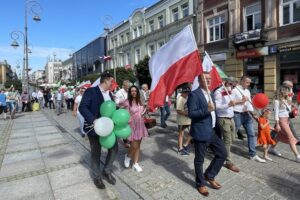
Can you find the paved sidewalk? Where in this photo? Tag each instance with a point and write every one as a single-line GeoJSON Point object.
{"type": "Point", "coordinates": [42, 156]}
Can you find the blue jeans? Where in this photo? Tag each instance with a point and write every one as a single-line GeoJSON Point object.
{"type": "Point", "coordinates": [217, 146]}
{"type": "Point", "coordinates": [164, 113]}
{"type": "Point", "coordinates": [247, 122]}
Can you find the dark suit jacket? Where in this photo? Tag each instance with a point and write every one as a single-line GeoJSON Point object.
{"type": "Point", "coordinates": [201, 127]}
{"type": "Point", "coordinates": [89, 107]}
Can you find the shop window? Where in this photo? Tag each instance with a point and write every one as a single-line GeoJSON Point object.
{"type": "Point", "coordinates": [216, 28]}
{"type": "Point", "coordinates": [252, 17]}
{"type": "Point", "coordinates": [289, 11]}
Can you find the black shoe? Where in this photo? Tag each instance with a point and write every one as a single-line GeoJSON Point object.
{"type": "Point", "coordinates": [99, 183]}
{"type": "Point", "coordinates": [241, 136]}
{"type": "Point", "coordinates": [298, 143]}
{"type": "Point", "coordinates": [164, 126]}
{"type": "Point", "coordinates": [109, 177]}
{"type": "Point", "coordinates": [82, 135]}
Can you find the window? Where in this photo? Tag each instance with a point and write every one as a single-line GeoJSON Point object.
{"type": "Point", "coordinates": [185, 10]}
{"type": "Point", "coordinates": [122, 39]}
{"type": "Point", "coordinates": [216, 28]}
{"type": "Point", "coordinates": [151, 26]}
{"type": "Point", "coordinates": [128, 36]}
{"type": "Point", "coordinates": [137, 56]}
{"type": "Point", "coordinates": [161, 21]}
{"type": "Point", "coordinates": [175, 14]}
{"type": "Point", "coordinates": [252, 19]}
{"type": "Point", "coordinates": [161, 43]}
{"type": "Point", "coordinates": [140, 31]}
{"type": "Point", "coordinates": [151, 50]}
{"type": "Point", "coordinates": [290, 11]}
{"type": "Point", "coordinates": [135, 33]}
{"type": "Point", "coordinates": [127, 58]}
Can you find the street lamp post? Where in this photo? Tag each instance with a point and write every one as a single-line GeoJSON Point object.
{"type": "Point", "coordinates": [15, 35]}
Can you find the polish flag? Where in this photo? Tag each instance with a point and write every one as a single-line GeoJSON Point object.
{"type": "Point", "coordinates": [176, 62]}
{"type": "Point", "coordinates": [105, 57]}
{"type": "Point", "coordinates": [114, 85]}
{"type": "Point", "coordinates": [208, 66]}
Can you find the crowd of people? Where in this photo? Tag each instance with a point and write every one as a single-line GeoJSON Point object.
{"type": "Point", "coordinates": [211, 120]}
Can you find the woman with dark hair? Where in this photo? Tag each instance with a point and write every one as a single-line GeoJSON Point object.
{"type": "Point", "coordinates": [136, 109]}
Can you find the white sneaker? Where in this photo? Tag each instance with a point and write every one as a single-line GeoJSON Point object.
{"type": "Point", "coordinates": [268, 158]}
{"type": "Point", "coordinates": [258, 159]}
{"type": "Point", "coordinates": [275, 152]}
{"type": "Point", "coordinates": [127, 161]}
{"type": "Point", "coordinates": [137, 167]}
{"type": "Point", "coordinates": [298, 158]}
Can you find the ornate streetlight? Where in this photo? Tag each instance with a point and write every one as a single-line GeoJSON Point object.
{"type": "Point", "coordinates": [35, 8]}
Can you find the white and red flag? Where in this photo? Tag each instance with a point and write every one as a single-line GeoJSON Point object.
{"type": "Point", "coordinates": [208, 66]}
{"type": "Point", "coordinates": [176, 62]}
{"type": "Point", "coordinates": [105, 57]}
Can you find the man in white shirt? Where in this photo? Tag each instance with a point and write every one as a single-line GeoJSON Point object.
{"type": "Point", "coordinates": [225, 114]}
{"type": "Point", "coordinates": [243, 114]}
{"type": "Point", "coordinates": [122, 94]}
{"type": "Point", "coordinates": [40, 97]}
{"type": "Point", "coordinates": [145, 94]}
{"type": "Point", "coordinates": [34, 96]}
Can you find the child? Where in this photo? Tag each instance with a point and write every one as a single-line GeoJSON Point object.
{"type": "Point", "coordinates": [264, 136]}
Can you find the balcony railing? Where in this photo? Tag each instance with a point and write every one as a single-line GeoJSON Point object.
{"type": "Point", "coordinates": [252, 37]}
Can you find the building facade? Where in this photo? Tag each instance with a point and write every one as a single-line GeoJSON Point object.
{"type": "Point", "coordinates": [88, 59]}
{"type": "Point", "coordinates": [260, 38]}
{"type": "Point", "coordinates": [53, 71]}
{"type": "Point", "coordinates": [38, 76]}
{"type": "Point", "coordinates": [147, 29]}
{"type": "Point", "coordinates": [6, 73]}
{"type": "Point", "coordinates": [67, 73]}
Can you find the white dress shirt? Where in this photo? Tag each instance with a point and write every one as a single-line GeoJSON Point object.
{"type": "Point", "coordinates": [105, 94]}
{"type": "Point", "coordinates": [281, 109]}
{"type": "Point", "coordinates": [237, 93]}
{"type": "Point", "coordinates": [222, 100]}
{"type": "Point", "coordinates": [121, 95]}
{"type": "Point", "coordinates": [213, 113]}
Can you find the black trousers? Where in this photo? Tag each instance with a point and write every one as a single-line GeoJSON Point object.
{"type": "Point", "coordinates": [218, 148]}
{"type": "Point", "coordinates": [96, 154]}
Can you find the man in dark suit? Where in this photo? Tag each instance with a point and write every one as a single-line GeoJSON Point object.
{"type": "Point", "coordinates": [89, 109]}
{"type": "Point", "coordinates": [201, 109]}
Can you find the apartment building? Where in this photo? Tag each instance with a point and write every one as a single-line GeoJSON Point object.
{"type": "Point", "coordinates": [147, 29]}
{"type": "Point", "coordinates": [260, 38]}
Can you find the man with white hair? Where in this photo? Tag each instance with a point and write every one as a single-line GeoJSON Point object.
{"type": "Point", "coordinates": [145, 94]}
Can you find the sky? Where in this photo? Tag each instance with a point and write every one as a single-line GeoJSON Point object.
{"type": "Point", "coordinates": [65, 26]}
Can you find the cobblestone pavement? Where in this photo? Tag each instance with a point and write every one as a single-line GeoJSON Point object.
{"type": "Point", "coordinates": [42, 156]}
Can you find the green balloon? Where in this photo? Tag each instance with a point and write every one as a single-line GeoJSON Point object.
{"type": "Point", "coordinates": [108, 141]}
{"type": "Point", "coordinates": [121, 117]}
{"type": "Point", "coordinates": [107, 108]}
{"type": "Point", "coordinates": [122, 132]}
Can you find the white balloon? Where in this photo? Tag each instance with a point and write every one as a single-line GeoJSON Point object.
{"type": "Point", "coordinates": [103, 126]}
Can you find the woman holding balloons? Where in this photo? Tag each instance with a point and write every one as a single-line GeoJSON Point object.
{"type": "Point", "coordinates": [136, 109]}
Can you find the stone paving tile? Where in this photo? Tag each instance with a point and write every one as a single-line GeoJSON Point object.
{"type": "Point", "coordinates": [25, 188]}
{"type": "Point", "coordinates": [22, 125]}
{"type": "Point", "coordinates": [52, 142]}
{"type": "Point", "coordinates": [21, 167]}
{"type": "Point", "coordinates": [21, 147]}
{"type": "Point", "coordinates": [27, 140]}
{"type": "Point", "coordinates": [45, 129]}
{"type": "Point", "coordinates": [22, 156]}
{"type": "Point", "coordinates": [47, 137]}
{"type": "Point", "coordinates": [73, 175]}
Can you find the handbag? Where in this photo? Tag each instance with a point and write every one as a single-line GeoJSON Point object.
{"type": "Point", "coordinates": [293, 113]}
{"type": "Point", "coordinates": [149, 122]}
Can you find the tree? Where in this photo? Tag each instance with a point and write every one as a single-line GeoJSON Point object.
{"type": "Point", "coordinates": [123, 74]}
{"type": "Point", "coordinates": [142, 70]}
{"type": "Point", "coordinates": [16, 83]}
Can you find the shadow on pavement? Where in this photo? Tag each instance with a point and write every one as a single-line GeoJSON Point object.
{"type": "Point", "coordinates": [287, 185]}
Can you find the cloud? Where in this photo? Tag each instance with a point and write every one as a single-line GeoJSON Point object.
{"type": "Point", "coordinates": [37, 58]}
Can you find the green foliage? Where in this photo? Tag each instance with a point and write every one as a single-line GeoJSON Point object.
{"type": "Point", "coordinates": [16, 83]}
{"type": "Point", "coordinates": [143, 74]}
{"type": "Point", "coordinates": [123, 74]}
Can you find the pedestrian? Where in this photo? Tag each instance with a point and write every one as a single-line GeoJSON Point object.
{"type": "Point", "coordinates": [40, 97]}
{"type": "Point", "coordinates": [3, 107]}
{"type": "Point", "coordinates": [243, 113]}
{"type": "Point", "coordinates": [59, 101]}
{"type": "Point", "coordinates": [201, 110]}
{"type": "Point", "coordinates": [183, 121]}
{"type": "Point", "coordinates": [89, 108]}
{"type": "Point", "coordinates": [51, 99]}
{"type": "Point", "coordinates": [136, 109]}
{"type": "Point", "coordinates": [264, 133]}
{"type": "Point", "coordinates": [145, 94]}
{"type": "Point", "coordinates": [224, 110]}
{"type": "Point", "coordinates": [10, 101]}
{"type": "Point", "coordinates": [25, 101]}
{"type": "Point", "coordinates": [282, 107]}
{"type": "Point", "coordinates": [76, 112]}
{"type": "Point", "coordinates": [120, 97]}
{"type": "Point", "coordinates": [165, 112]}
